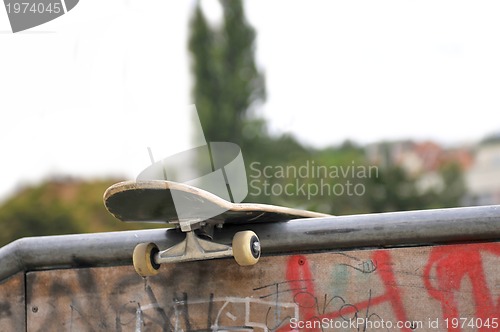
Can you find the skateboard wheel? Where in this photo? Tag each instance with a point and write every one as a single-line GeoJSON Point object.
{"type": "Point", "coordinates": [246, 248]}
{"type": "Point", "coordinates": [143, 259]}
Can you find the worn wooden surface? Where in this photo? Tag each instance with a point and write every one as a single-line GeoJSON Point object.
{"type": "Point", "coordinates": [12, 304]}
{"type": "Point", "coordinates": [366, 290]}
{"type": "Point", "coordinates": [424, 288]}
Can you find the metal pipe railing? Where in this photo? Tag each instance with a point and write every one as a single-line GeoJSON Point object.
{"type": "Point", "coordinates": [393, 229]}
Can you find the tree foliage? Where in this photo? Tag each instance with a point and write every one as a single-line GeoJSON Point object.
{"type": "Point", "coordinates": [227, 81]}
{"type": "Point", "coordinates": [59, 206]}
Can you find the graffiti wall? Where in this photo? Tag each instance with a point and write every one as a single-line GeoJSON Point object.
{"type": "Point", "coordinates": [441, 288]}
{"type": "Point", "coordinates": [12, 304]}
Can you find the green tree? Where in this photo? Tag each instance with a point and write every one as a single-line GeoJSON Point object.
{"type": "Point", "coordinates": [227, 81]}
{"type": "Point", "coordinates": [454, 189]}
{"type": "Point", "coordinates": [392, 190]}
{"type": "Point", "coordinates": [59, 206]}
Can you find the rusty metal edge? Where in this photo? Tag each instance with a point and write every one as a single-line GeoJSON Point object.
{"type": "Point", "coordinates": [395, 229]}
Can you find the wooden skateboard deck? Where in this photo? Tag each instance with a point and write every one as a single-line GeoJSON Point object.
{"type": "Point", "coordinates": [153, 201]}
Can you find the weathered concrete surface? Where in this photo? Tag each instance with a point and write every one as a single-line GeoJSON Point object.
{"type": "Point", "coordinates": [12, 308]}
{"type": "Point", "coordinates": [366, 290]}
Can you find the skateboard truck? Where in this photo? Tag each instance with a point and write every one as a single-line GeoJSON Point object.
{"type": "Point", "coordinates": [245, 249]}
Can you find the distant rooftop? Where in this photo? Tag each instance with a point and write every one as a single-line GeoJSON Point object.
{"type": "Point", "coordinates": [491, 139]}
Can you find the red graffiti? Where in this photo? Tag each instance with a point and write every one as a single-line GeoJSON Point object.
{"type": "Point", "coordinates": [300, 279]}
{"type": "Point", "coordinates": [443, 275]}
{"type": "Point", "coordinates": [448, 266]}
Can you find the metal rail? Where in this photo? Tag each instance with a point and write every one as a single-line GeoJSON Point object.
{"type": "Point", "coordinates": [394, 229]}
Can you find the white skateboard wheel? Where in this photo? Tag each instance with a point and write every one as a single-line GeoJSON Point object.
{"type": "Point", "coordinates": [246, 248]}
{"type": "Point", "coordinates": [143, 259]}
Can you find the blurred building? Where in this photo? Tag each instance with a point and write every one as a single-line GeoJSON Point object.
{"type": "Point", "coordinates": [417, 158]}
{"type": "Point", "coordinates": [422, 161]}
{"type": "Point", "coordinates": [483, 178]}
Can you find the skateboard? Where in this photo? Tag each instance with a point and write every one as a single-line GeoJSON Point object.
{"type": "Point", "coordinates": [196, 212]}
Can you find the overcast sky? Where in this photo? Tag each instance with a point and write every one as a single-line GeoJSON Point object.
{"type": "Point", "coordinates": [86, 94]}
